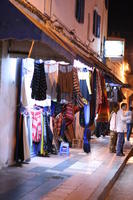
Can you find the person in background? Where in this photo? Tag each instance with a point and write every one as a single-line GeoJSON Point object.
{"type": "Point", "coordinates": [129, 122]}
{"type": "Point", "coordinates": [113, 133]}
{"type": "Point", "coordinates": [121, 119]}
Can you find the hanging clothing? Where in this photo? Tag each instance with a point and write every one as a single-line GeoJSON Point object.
{"type": "Point", "coordinates": [51, 71]}
{"type": "Point", "coordinates": [85, 86]}
{"type": "Point", "coordinates": [103, 110]}
{"type": "Point", "coordinates": [65, 85]}
{"type": "Point", "coordinates": [79, 130]}
{"type": "Point", "coordinates": [36, 125]}
{"type": "Point", "coordinates": [38, 84]}
{"type": "Point", "coordinates": [86, 140]}
{"type": "Point", "coordinates": [68, 114]}
{"type": "Point", "coordinates": [77, 96]}
{"type": "Point", "coordinates": [26, 144]}
{"type": "Point", "coordinates": [19, 143]}
{"type": "Point", "coordinates": [99, 93]}
{"type": "Point", "coordinates": [93, 98]}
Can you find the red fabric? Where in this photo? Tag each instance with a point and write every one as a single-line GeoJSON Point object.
{"type": "Point", "coordinates": [103, 111]}
{"type": "Point", "coordinates": [36, 125]}
{"type": "Point", "coordinates": [57, 122]}
{"type": "Point", "coordinates": [69, 114]}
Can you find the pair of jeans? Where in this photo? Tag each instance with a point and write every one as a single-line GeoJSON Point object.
{"type": "Point", "coordinates": [120, 143]}
{"type": "Point", "coordinates": [87, 114]}
{"type": "Point", "coordinates": [129, 130]}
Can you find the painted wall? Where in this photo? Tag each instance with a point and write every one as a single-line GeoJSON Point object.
{"type": "Point", "coordinates": [65, 12]}
{"type": "Point", "coordinates": [7, 108]}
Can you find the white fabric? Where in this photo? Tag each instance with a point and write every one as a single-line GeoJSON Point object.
{"type": "Point", "coordinates": [25, 140]}
{"type": "Point", "coordinates": [113, 122]}
{"type": "Point", "coordinates": [121, 120]}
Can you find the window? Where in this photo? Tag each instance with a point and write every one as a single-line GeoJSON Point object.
{"type": "Point", "coordinates": [106, 4]}
{"type": "Point", "coordinates": [96, 24]}
{"type": "Point", "coordinates": [79, 13]}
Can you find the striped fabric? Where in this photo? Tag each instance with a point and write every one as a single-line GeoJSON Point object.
{"type": "Point", "coordinates": [77, 96]}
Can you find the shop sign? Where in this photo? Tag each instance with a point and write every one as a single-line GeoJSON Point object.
{"type": "Point", "coordinates": [114, 48]}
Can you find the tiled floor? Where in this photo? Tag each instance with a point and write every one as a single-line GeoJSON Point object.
{"type": "Point", "coordinates": [60, 177]}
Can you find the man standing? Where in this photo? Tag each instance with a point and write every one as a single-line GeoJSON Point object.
{"type": "Point", "coordinates": [129, 122]}
{"type": "Point", "coordinates": [121, 128]}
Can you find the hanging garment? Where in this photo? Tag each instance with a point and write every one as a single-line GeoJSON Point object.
{"type": "Point", "coordinates": [38, 84]}
{"type": "Point", "coordinates": [81, 118]}
{"type": "Point", "coordinates": [36, 125]}
{"type": "Point", "coordinates": [99, 93]}
{"type": "Point", "coordinates": [56, 108]}
{"type": "Point", "coordinates": [49, 134]}
{"type": "Point", "coordinates": [86, 140]}
{"type": "Point", "coordinates": [19, 156]}
{"type": "Point", "coordinates": [64, 86]}
{"type": "Point", "coordinates": [79, 130]}
{"type": "Point", "coordinates": [103, 112]}
{"type": "Point", "coordinates": [77, 96]}
{"type": "Point", "coordinates": [93, 98]}
{"type": "Point", "coordinates": [25, 140]}
{"type": "Point", "coordinates": [51, 71]}
{"type": "Point", "coordinates": [68, 114]}
{"type": "Point", "coordinates": [85, 86]}
{"type": "Point", "coordinates": [102, 128]}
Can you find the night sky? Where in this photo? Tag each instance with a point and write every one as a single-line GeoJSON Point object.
{"type": "Point", "coordinates": [121, 17]}
{"type": "Point", "coordinates": [120, 24]}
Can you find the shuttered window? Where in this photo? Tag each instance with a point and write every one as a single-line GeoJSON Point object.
{"type": "Point", "coordinates": [96, 24]}
{"type": "Point", "coordinates": [79, 12]}
{"type": "Point", "coordinates": [106, 4]}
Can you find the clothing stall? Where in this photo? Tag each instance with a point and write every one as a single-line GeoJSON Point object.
{"type": "Point", "coordinates": [59, 103]}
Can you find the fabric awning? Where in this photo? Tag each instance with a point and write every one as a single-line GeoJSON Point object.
{"type": "Point", "coordinates": [20, 31]}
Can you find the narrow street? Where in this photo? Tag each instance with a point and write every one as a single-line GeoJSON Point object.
{"type": "Point", "coordinates": [123, 188]}
{"type": "Point", "coordinates": [79, 176]}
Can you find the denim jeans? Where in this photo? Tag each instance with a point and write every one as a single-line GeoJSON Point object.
{"type": "Point", "coordinates": [129, 130]}
{"type": "Point", "coordinates": [120, 143]}
{"type": "Point", "coordinates": [87, 114]}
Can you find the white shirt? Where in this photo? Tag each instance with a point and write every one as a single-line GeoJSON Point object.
{"type": "Point", "coordinates": [113, 122]}
{"type": "Point", "coordinates": [121, 120]}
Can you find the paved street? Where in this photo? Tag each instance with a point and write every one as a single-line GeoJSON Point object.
{"type": "Point", "coordinates": [79, 176]}
{"type": "Point", "coordinates": [123, 188]}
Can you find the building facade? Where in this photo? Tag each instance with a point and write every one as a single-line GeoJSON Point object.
{"type": "Point", "coordinates": [86, 19]}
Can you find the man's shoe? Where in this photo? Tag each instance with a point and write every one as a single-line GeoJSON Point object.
{"type": "Point", "coordinates": [122, 154]}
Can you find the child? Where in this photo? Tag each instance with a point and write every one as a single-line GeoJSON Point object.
{"type": "Point", "coordinates": [113, 133]}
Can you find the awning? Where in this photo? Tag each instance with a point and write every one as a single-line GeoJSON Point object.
{"type": "Point", "coordinates": [20, 32]}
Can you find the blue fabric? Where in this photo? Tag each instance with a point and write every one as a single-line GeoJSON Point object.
{"type": "Point", "coordinates": [86, 139]}
{"type": "Point", "coordinates": [120, 143]}
{"type": "Point", "coordinates": [129, 130]}
{"type": "Point", "coordinates": [81, 118]}
{"type": "Point", "coordinates": [84, 90]}
{"type": "Point", "coordinates": [87, 114]}
{"type": "Point", "coordinates": [36, 149]}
